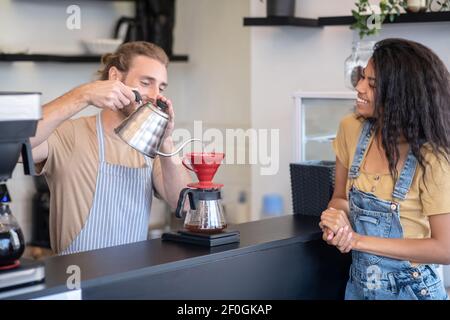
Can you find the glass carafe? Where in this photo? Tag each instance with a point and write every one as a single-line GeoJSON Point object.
{"type": "Point", "coordinates": [361, 53]}
{"type": "Point", "coordinates": [205, 214]}
{"type": "Point", "coordinates": [207, 218]}
{"type": "Point", "coordinates": [12, 243]}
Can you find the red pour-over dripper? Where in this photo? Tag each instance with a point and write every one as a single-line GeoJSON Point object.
{"type": "Point", "coordinates": [205, 165]}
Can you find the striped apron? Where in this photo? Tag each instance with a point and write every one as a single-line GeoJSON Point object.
{"type": "Point", "coordinates": [121, 206]}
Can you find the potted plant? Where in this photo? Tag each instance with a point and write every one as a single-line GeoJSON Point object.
{"type": "Point", "coordinates": [369, 17]}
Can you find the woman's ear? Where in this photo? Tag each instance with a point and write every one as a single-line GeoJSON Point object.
{"type": "Point", "coordinates": [114, 74]}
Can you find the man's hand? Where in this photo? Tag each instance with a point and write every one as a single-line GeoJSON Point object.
{"type": "Point", "coordinates": [111, 94]}
{"type": "Point", "coordinates": [167, 143]}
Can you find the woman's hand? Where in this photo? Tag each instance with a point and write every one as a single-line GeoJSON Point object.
{"type": "Point", "coordinates": [327, 233]}
{"type": "Point", "coordinates": [343, 240]}
{"type": "Point", "coordinates": [334, 219]}
{"type": "Point", "coordinates": [337, 230]}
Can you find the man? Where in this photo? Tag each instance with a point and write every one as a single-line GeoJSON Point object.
{"type": "Point", "coordinates": [101, 188]}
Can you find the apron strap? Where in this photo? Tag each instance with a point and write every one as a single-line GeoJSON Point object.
{"type": "Point", "coordinates": [148, 161]}
{"type": "Point", "coordinates": [101, 143]}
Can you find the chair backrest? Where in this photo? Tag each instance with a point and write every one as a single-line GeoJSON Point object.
{"type": "Point", "coordinates": [312, 185]}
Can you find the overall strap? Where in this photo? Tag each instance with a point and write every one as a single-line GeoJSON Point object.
{"type": "Point", "coordinates": [363, 142]}
{"type": "Point", "coordinates": [406, 177]}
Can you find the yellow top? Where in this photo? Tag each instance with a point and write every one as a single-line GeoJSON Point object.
{"type": "Point", "coordinates": [421, 201]}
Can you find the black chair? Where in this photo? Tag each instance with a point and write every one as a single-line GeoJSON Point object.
{"type": "Point", "coordinates": [312, 185]}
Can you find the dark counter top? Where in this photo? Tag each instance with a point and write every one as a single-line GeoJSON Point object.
{"type": "Point", "coordinates": [156, 256]}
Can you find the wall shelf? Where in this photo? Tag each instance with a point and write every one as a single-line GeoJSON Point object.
{"type": "Point", "coordinates": [67, 58]}
{"type": "Point", "coordinates": [343, 20]}
{"type": "Point", "coordinates": [281, 21]}
{"type": "Point", "coordinates": [403, 18]}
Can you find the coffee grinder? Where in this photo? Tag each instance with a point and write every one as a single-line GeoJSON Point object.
{"type": "Point", "coordinates": [204, 223]}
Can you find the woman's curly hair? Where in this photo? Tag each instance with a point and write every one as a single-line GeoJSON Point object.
{"type": "Point", "coordinates": [412, 100]}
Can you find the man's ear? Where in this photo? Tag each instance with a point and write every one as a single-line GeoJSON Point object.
{"type": "Point", "coordinates": [114, 74]}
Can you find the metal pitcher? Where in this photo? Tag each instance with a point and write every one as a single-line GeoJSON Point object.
{"type": "Point", "coordinates": [144, 128]}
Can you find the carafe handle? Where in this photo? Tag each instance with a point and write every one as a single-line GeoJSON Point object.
{"type": "Point", "coordinates": [180, 205]}
{"type": "Point", "coordinates": [187, 166]}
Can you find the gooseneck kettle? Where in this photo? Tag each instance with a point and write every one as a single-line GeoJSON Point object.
{"type": "Point", "coordinates": [144, 129]}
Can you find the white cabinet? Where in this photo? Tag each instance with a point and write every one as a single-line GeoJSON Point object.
{"type": "Point", "coordinates": [317, 119]}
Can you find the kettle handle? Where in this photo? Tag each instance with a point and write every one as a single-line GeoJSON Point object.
{"type": "Point", "coordinates": [180, 205]}
{"type": "Point", "coordinates": [137, 96]}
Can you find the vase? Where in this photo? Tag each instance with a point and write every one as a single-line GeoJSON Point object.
{"type": "Point", "coordinates": [415, 6]}
{"type": "Point", "coordinates": [438, 5]}
{"type": "Point", "coordinates": [361, 53]}
{"type": "Point", "coordinates": [280, 8]}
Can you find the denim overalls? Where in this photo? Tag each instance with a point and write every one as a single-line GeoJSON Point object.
{"type": "Point", "coordinates": [376, 277]}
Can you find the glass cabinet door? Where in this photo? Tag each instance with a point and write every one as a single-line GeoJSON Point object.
{"type": "Point", "coordinates": [318, 121]}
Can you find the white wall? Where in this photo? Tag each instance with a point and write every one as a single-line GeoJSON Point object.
{"type": "Point", "coordinates": [289, 59]}
{"type": "Point", "coordinates": [236, 77]}
{"type": "Point", "coordinates": [213, 86]}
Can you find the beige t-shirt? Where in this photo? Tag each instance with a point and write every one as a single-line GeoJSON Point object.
{"type": "Point", "coordinates": [420, 203]}
{"type": "Point", "coordinates": [71, 174]}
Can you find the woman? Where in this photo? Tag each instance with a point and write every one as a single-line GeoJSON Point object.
{"type": "Point", "coordinates": [391, 203]}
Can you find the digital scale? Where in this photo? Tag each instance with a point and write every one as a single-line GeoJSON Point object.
{"type": "Point", "coordinates": [207, 240]}
{"type": "Point", "coordinates": [22, 279]}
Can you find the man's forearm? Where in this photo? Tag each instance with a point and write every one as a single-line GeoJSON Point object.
{"type": "Point", "coordinates": [175, 175]}
{"type": "Point", "coordinates": [57, 111]}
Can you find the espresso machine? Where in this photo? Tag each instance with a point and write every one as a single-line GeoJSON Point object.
{"type": "Point", "coordinates": [19, 115]}
{"type": "Point", "coordinates": [204, 223]}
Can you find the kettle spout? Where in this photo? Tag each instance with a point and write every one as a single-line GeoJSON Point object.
{"type": "Point", "coordinates": [178, 150]}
